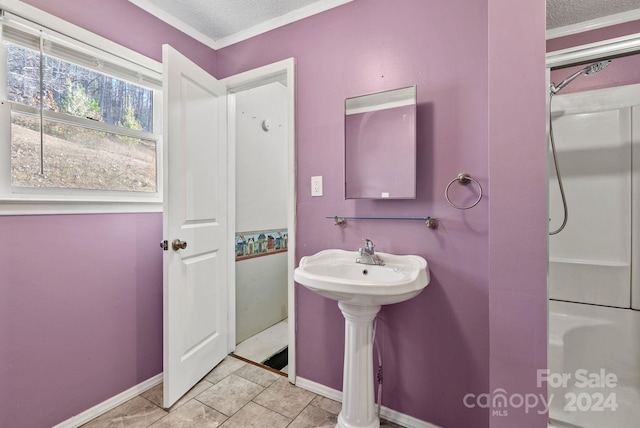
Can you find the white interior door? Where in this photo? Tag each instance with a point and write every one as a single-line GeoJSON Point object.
{"type": "Point", "coordinates": [196, 213]}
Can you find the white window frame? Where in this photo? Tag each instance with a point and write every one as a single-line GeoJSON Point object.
{"type": "Point", "coordinates": [30, 201]}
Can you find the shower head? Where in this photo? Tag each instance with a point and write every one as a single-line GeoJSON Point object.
{"type": "Point", "coordinates": [587, 71]}
{"type": "Point", "coordinates": [598, 66]}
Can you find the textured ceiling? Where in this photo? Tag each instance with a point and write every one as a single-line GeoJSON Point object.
{"type": "Point", "coordinates": [217, 19]}
{"type": "Point", "coordinates": [567, 12]}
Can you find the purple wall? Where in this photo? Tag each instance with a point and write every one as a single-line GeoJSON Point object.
{"type": "Point", "coordinates": [80, 312]}
{"type": "Point", "coordinates": [436, 347]}
{"type": "Point", "coordinates": [622, 71]}
{"type": "Point", "coordinates": [479, 325]}
{"type": "Point", "coordinates": [81, 295]}
{"type": "Point", "coordinates": [518, 208]}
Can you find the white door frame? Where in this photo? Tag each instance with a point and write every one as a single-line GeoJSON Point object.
{"type": "Point", "coordinates": [284, 72]}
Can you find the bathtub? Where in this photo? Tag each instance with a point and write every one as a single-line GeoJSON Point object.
{"type": "Point", "coordinates": [594, 366]}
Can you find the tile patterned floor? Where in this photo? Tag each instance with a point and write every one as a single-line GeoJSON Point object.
{"type": "Point", "coordinates": [235, 394]}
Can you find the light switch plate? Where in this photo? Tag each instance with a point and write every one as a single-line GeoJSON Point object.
{"type": "Point", "coordinates": [316, 185]}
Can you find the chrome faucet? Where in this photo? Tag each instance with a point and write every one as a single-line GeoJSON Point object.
{"type": "Point", "coordinates": [368, 255]}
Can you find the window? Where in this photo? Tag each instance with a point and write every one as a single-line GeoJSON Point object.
{"type": "Point", "coordinates": [81, 123]}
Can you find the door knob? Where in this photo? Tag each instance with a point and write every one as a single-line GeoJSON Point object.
{"type": "Point", "coordinates": [177, 244]}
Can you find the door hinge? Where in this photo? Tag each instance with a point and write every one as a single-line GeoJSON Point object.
{"type": "Point", "coordinates": [164, 245]}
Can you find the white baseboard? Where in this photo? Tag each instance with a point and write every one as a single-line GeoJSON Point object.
{"type": "Point", "coordinates": [319, 389]}
{"type": "Point", "coordinates": [105, 406]}
{"type": "Point", "coordinates": [388, 414]}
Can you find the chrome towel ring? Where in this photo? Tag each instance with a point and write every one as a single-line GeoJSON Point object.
{"type": "Point", "coordinates": [464, 179]}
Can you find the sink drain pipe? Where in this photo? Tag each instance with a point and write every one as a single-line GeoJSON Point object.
{"type": "Point", "coordinates": [379, 375]}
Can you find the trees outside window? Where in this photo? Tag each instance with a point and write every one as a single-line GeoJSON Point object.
{"type": "Point", "coordinates": [74, 127]}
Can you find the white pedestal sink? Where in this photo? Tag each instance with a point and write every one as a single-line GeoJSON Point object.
{"type": "Point", "coordinates": [360, 291]}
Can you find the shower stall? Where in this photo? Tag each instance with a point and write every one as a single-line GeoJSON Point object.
{"type": "Point", "coordinates": [594, 262]}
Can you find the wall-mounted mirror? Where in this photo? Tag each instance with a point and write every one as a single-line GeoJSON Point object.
{"type": "Point", "coordinates": [380, 145]}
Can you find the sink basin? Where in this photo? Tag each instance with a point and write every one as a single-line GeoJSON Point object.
{"type": "Point", "coordinates": [336, 275]}
{"type": "Point", "coordinates": [360, 291]}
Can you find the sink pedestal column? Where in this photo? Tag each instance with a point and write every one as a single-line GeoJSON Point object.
{"type": "Point", "coordinates": [357, 386]}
